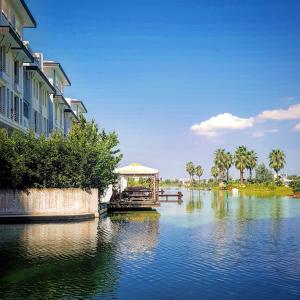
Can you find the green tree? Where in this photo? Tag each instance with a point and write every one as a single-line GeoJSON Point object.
{"type": "Point", "coordinates": [251, 162]}
{"type": "Point", "coordinates": [190, 169]}
{"type": "Point", "coordinates": [263, 174]}
{"type": "Point", "coordinates": [214, 172]}
{"type": "Point", "coordinates": [228, 161]}
{"type": "Point", "coordinates": [277, 160]}
{"type": "Point", "coordinates": [199, 172]}
{"type": "Point", "coordinates": [295, 185]}
{"type": "Point", "coordinates": [219, 162]}
{"type": "Point", "coordinates": [240, 161]}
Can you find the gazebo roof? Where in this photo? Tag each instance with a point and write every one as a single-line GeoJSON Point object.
{"type": "Point", "coordinates": [136, 169]}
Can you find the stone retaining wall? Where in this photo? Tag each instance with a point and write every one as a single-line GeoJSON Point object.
{"type": "Point", "coordinates": [48, 202]}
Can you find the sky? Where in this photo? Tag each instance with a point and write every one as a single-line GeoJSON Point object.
{"type": "Point", "coordinates": [178, 79]}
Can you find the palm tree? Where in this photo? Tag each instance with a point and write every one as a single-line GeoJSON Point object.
{"type": "Point", "coordinates": [214, 172]}
{"type": "Point", "coordinates": [227, 164]}
{"type": "Point", "coordinates": [252, 161]}
{"type": "Point", "coordinates": [199, 172]}
{"type": "Point", "coordinates": [240, 160]}
{"type": "Point", "coordinates": [190, 168]}
{"type": "Point", "coordinates": [277, 160]}
{"type": "Point", "coordinates": [219, 161]}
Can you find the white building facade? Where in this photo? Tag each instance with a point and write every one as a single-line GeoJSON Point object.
{"type": "Point", "coordinates": [31, 88]}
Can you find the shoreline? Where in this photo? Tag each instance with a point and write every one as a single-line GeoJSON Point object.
{"type": "Point", "coordinates": [251, 190]}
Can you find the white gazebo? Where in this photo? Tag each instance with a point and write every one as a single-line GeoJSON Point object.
{"type": "Point", "coordinates": [138, 197]}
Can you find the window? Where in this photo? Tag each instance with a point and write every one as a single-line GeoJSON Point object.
{"type": "Point", "coordinates": [2, 59]}
{"type": "Point", "coordinates": [26, 109]}
{"type": "Point", "coordinates": [35, 121]}
{"type": "Point", "coordinates": [2, 100]}
{"type": "Point", "coordinates": [16, 71]}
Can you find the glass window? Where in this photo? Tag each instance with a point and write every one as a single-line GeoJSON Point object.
{"type": "Point", "coordinates": [26, 109]}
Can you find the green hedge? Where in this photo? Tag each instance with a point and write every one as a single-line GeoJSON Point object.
{"type": "Point", "coordinates": [85, 158]}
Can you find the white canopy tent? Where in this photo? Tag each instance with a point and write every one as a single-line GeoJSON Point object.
{"type": "Point", "coordinates": [136, 169]}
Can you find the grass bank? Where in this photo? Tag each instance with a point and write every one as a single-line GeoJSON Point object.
{"type": "Point", "coordinates": [250, 189]}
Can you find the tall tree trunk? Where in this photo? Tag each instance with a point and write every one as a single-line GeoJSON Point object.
{"type": "Point", "coordinates": [227, 175]}
{"type": "Point", "coordinates": [250, 170]}
{"type": "Point", "coordinates": [241, 177]}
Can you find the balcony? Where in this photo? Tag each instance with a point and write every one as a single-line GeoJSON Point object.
{"type": "Point", "coordinates": [58, 90]}
{"type": "Point", "coordinates": [17, 87]}
{"type": "Point", "coordinates": [13, 40]}
{"type": "Point", "coordinates": [3, 75]}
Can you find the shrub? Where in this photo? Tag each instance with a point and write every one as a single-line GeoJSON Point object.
{"type": "Point", "coordinates": [295, 185]}
{"type": "Point", "coordinates": [85, 158]}
{"type": "Point", "coordinates": [263, 174]}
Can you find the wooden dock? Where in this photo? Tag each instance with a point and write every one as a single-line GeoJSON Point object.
{"type": "Point", "coordinates": [170, 198]}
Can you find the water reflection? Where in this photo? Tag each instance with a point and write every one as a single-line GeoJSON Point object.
{"type": "Point", "coordinates": [195, 202]}
{"type": "Point", "coordinates": [220, 204]}
{"type": "Point", "coordinates": [71, 259]}
{"type": "Point", "coordinates": [137, 231]}
{"type": "Point", "coordinates": [214, 237]}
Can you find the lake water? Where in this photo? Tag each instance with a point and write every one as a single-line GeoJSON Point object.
{"type": "Point", "coordinates": [212, 246]}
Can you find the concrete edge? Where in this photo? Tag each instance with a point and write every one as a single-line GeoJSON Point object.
{"type": "Point", "coordinates": [4, 219]}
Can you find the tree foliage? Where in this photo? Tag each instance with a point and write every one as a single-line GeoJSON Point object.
{"type": "Point", "coordinates": [198, 172]}
{"type": "Point", "coordinates": [85, 158]}
{"type": "Point", "coordinates": [223, 161]}
{"type": "Point", "coordinates": [190, 169]}
{"type": "Point", "coordinates": [241, 160]}
{"type": "Point", "coordinates": [295, 185]}
{"type": "Point", "coordinates": [263, 174]}
{"type": "Point", "coordinates": [251, 161]}
{"type": "Point", "coordinates": [277, 160]}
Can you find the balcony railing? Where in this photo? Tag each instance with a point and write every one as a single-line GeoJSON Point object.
{"type": "Point", "coordinates": [26, 122]}
{"type": "Point", "coordinates": [2, 107]}
{"type": "Point", "coordinates": [14, 115]}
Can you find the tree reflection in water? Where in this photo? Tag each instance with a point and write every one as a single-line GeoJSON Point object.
{"type": "Point", "coordinates": [195, 202]}
{"type": "Point", "coordinates": [220, 204]}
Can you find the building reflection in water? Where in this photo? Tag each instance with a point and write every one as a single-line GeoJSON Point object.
{"type": "Point", "coordinates": [41, 240]}
{"type": "Point", "coordinates": [71, 260]}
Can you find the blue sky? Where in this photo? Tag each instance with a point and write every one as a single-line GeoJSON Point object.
{"type": "Point", "coordinates": [151, 69]}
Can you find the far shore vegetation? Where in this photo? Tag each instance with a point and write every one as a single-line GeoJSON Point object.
{"type": "Point", "coordinates": [260, 180]}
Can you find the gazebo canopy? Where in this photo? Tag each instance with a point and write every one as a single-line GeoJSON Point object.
{"type": "Point", "coordinates": [136, 169]}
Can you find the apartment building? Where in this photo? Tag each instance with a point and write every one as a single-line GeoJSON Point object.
{"type": "Point", "coordinates": [31, 88]}
{"type": "Point", "coordinates": [15, 17]}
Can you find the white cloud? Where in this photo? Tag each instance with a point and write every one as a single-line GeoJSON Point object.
{"type": "Point", "coordinates": [225, 121]}
{"type": "Point", "coordinates": [263, 132]}
{"type": "Point", "coordinates": [297, 127]}
{"type": "Point", "coordinates": [291, 113]}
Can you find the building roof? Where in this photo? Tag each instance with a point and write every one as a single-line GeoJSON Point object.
{"type": "Point", "coordinates": [136, 169]}
{"type": "Point", "coordinates": [29, 21]}
{"type": "Point", "coordinates": [71, 101]}
{"type": "Point", "coordinates": [57, 65]}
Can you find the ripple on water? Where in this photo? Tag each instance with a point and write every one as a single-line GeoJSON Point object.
{"type": "Point", "coordinates": [210, 247]}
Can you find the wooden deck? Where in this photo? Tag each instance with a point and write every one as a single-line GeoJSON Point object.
{"type": "Point", "coordinates": [141, 198]}
{"type": "Point", "coordinates": [132, 205]}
